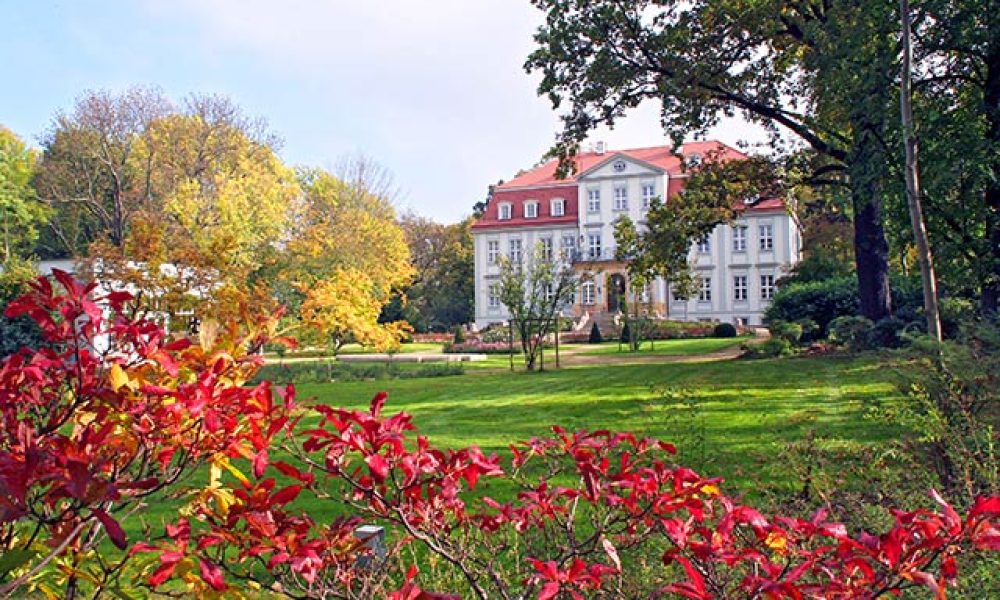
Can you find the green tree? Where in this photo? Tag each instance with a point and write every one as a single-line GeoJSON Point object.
{"type": "Point", "coordinates": [20, 212]}
{"type": "Point", "coordinates": [535, 292]}
{"type": "Point", "coordinates": [823, 71]}
{"type": "Point", "coordinates": [441, 294]}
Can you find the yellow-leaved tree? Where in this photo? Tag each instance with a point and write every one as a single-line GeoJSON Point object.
{"type": "Point", "coordinates": [344, 257]}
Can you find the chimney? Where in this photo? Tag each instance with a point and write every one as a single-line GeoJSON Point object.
{"type": "Point", "coordinates": [599, 148]}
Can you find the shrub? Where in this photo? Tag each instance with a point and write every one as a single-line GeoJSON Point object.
{"type": "Point", "coordinates": [792, 332]}
{"type": "Point", "coordinates": [887, 333]}
{"type": "Point", "coordinates": [810, 330]}
{"type": "Point", "coordinates": [595, 334]}
{"type": "Point", "coordinates": [954, 312]}
{"type": "Point", "coordinates": [672, 330]}
{"type": "Point", "coordinates": [626, 336]}
{"type": "Point", "coordinates": [724, 330]}
{"type": "Point", "coordinates": [480, 347]}
{"type": "Point", "coordinates": [771, 348]}
{"type": "Point", "coordinates": [819, 301]}
{"type": "Point", "coordinates": [459, 335]}
{"type": "Point", "coordinates": [852, 332]}
{"type": "Point", "coordinates": [496, 333]}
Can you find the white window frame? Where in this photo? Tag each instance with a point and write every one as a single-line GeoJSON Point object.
{"type": "Point", "coordinates": [531, 210]}
{"type": "Point", "coordinates": [515, 251]}
{"type": "Point", "coordinates": [547, 246]}
{"type": "Point", "coordinates": [621, 197]}
{"type": "Point", "coordinates": [705, 291]}
{"type": "Point", "coordinates": [739, 238]}
{"type": "Point", "coordinates": [594, 200]}
{"type": "Point", "coordinates": [767, 286]}
{"type": "Point", "coordinates": [557, 203]}
{"type": "Point", "coordinates": [492, 251]}
{"type": "Point", "coordinates": [594, 249]}
{"type": "Point", "coordinates": [550, 292]}
{"type": "Point", "coordinates": [648, 193]}
{"type": "Point", "coordinates": [766, 236]}
{"type": "Point", "coordinates": [494, 295]}
{"type": "Point", "coordinates": [740, 291]}
{"type": "Point", "coordinates": [588, 293]}
{"type": "Point", "coordinates": [505, 211]}
{"type": "Point", "coordinates": [705, 244]}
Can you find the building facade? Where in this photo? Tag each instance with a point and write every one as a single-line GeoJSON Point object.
{"type": "Point", "coordinates": [573, 219]}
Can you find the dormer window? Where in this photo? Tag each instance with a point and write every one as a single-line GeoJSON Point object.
{"type": "Point", "coordinates": [530, 210]}
{"type": "Point", "coordinates": [694, 160]}
{"type": "Point", "coordinates": [505, 211]}
{"type": "Point", "coordinates": [558, 207]}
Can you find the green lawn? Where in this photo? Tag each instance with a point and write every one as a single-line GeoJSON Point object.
{"type": "Point", "coordinates": [745, 410]}
{"type": "Point", "coordinates": [686, 347]}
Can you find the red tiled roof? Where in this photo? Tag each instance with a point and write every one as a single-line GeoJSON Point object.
{"type": "Point", "coordinates": [662, 157]}
{"type": "Point", "coordinates": [516, 198]}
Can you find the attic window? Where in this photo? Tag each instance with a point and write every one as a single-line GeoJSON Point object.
{"type": "Point", "coordinates": [751, 199]}
{"type": "Point", "coordinates": [694, 160]}
{"type": "Point", "coordinates": [505, 212]}
{"type": "Point", "coordinates": [619, 166]}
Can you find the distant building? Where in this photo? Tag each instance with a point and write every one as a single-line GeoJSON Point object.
{"type": "Point", "coordinates": [736, 266]}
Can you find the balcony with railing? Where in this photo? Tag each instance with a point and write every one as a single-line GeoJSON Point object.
{"type": "Point", "coordinates": [592, 255]}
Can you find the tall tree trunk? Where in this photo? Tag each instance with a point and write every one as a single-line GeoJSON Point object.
{"type": "Point", "coordinates": [990, 301]}
{"type": "Point", "coordinates": [927, 277]}
{"type": "Point", "coordinates": [871, 249]}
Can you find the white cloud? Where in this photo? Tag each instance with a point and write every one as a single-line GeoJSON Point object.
{"type": "Point", "coordinates": [433, 89]}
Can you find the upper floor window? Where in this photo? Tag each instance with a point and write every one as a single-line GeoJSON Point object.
{"type": "Point", "coordinates": [492, 251]}
{"type": "Point", "coordinates": [530, 210]}
{"type": "Point", "coordinates": [621, 197]}
{"type": "Point", "coordinates": [594, 200]}
{"type": "Point", "coordinates": [514, 251]}
{"type": "Point", "coordinates": [546, 246]}
{"type": "Point", "coordinates": [587, 295]}
{"type": "Point", "coordinates": [740, 288]}
{"type": "Point", "coordinates": [766, 237]}
{"type": "Point", "coordinates": [594, 245]}
{"type": "Point", "coordinates": [648, 193]}
{"type": "Point", "coordinates": [558, 207]}
{"type": "Point", "coordinates": [766, 287]}
{"type": "Point", "coordinates": [505, 211]}
{"type": "Point", "coordinates": [705, 244]}
{"type": "Point", "coordinates": [705, 293]}
{"type": "Point", "coordinates": [550, 292]}
{"type": "Point", "coordinates": [740, 238]}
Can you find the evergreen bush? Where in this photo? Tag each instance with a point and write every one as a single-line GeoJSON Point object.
{"type": "Point", "coordinates": [595, 334]}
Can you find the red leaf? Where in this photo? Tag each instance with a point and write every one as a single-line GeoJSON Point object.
{"type": "Point", "coordinates": [378, 466]}
{"type": "Point", "coordinates": [286, 495]}
{"type": "Point", "coordinates": [212, 575]}
{"type": "Point", "coordinates": [549, 591]}
{"type": "Point", "coordinates": [115, 531]}
{"type": "Point", "coordinates": [260, 463]}
{"type": "Point", "coordinates": [377, 403]}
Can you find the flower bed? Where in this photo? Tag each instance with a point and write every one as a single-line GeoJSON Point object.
{"type": "Point", "coordinates": [478, 347]}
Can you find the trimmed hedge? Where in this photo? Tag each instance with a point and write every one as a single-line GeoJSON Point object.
{"type": "Point", "coordinates": [325, 371]}
{"type": "Point", "coordinates": [724, 330]}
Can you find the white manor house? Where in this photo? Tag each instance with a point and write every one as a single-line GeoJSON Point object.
{"type": "Point", "coordinates": [736, 266]}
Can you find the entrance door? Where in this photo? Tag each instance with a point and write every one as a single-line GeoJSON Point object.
{"type": "Point", "coordinates": [616, 291]}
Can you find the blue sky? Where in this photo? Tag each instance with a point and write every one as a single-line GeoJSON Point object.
{"type": "Point", "coordinates": [431, 89]}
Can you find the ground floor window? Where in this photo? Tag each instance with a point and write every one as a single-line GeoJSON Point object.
{"type": "Point", "coordinates": [740, 288]}
{"type": "Point", "coordinates": [587, 295]}
{"type": "Point", "coordinates": [705, 293]}
{"type": "Point", "coordinates": [766, 287]}
{"type": "Point", "coordinates": [495, 295]}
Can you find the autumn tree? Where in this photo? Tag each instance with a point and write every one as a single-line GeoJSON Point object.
{"type": "Point", "coordinates": [535, 291]}
{"type": "Point", "coordinates": [821, 71]}
{"type": "Point", "coordinates": [91, 174]}
{"type": "Point", "coordinates": [339, 230]}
